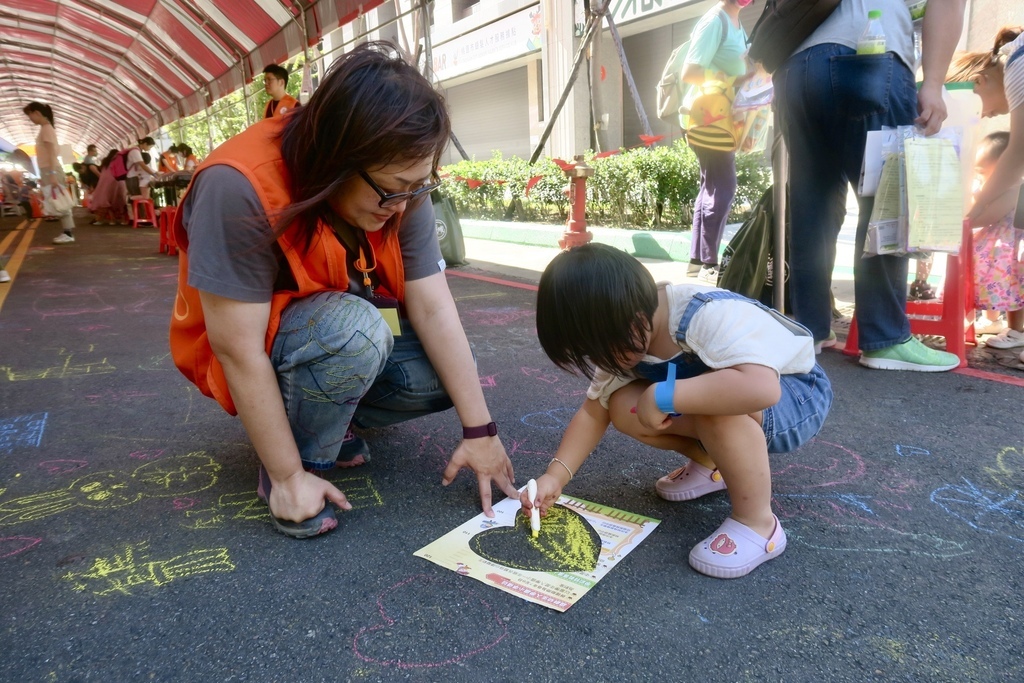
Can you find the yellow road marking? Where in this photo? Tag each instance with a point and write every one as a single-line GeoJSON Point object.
{"type": "Point", "coordinates": [19, 254]}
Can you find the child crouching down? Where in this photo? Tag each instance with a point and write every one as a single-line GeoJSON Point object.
{"type": "Point", "coordinates": [746, 385]}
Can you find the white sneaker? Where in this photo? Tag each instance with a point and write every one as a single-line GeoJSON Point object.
{"type": "Point", "coordinates": [1007, 339]}
{"type": "Point", "coordinates": [5, 276]}
{"type": "Point", "coordinates": [709, 274]}
{"type": "Point", "coordinates": [63, 238]}
{"type": "Point", "coordinates": [986, 326]}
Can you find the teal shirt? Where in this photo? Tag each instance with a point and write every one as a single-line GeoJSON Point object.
{"type": "Point", "coordinates": [710, 50]}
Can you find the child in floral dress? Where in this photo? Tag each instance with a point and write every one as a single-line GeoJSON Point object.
{"type": "Point", "coordinates": [999, 259]}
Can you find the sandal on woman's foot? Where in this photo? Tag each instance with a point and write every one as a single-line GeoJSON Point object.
{"type": "Point", "coordinates": [321, 523]}
{"type": "Point", "coordinates": [689, 482]}
{"type": "Point", "coordinates": [734, 550]}
{"type": "Point", "coordinates": [354, 451]}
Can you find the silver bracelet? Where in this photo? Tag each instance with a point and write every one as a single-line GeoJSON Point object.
{"type": "Point", "coordinates": [563, 465]}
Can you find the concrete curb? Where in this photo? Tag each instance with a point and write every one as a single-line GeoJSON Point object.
{"type": "Point", "coordinates": [664, 245]}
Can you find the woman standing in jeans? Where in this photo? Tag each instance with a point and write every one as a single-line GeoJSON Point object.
{"type": "Point", "coordinates": [827, 98]}
{"type": "Point", "coordinates": [311, 292]}
{"type": "Point", "coordinates": [718, 47]}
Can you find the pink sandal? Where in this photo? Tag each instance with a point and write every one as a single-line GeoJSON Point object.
{"type": "Point", "coordinates": [735, 550]}
{"type": "Point", "coordinates": [689, 482]}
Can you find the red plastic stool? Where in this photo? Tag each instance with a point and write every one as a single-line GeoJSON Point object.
{"type": "Point", "coordinates": [952, 316]}
{"type": "Point", "coordinates": [149, 218]}
{"type": "Point", "coordinates": [167, 241]}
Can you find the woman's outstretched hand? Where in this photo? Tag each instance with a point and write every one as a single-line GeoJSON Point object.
{"type": "Point", "coordinates": [489, 461]}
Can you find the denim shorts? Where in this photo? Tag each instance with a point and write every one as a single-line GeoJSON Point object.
{"type": "Point", "coordinates": [800, 413]}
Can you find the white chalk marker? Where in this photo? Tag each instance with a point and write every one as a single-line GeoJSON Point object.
{"type": "Point", "coordinates": [531, 492]}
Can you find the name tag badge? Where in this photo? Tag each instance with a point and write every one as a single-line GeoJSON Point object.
{"type": "Point", "coordinates": [388, 308]}
{"type": "Point", "coordinates": [390, 316]}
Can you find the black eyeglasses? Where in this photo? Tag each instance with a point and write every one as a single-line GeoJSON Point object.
{"type": "Point", "coordinates": [392, 198]}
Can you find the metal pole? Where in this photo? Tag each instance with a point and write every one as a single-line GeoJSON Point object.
{"type": "Point", "coordinates": [780, 173]}
{"type": "Point", "coordinates": [629, 75]}
{"type": "Point", "coordinates": [593, 22]}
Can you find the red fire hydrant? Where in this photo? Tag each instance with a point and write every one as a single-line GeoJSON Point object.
{"type": "Point", "coordinates": [577, 233]}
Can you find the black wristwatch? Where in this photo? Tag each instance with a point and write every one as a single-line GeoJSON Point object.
{"type": "Point", "coordinates": [489, 429]}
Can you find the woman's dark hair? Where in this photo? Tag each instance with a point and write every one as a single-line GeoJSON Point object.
{"type": "Point", "coordinates": [107, 159]}
{"type": "Point", "coordinates": [184, 149]}
{"type": "Point", "coordinates": [595, 306]}
{"type": "Point", "coordinates": [372, 109]}
{"type": "Point", "coordinates": [43, 109]}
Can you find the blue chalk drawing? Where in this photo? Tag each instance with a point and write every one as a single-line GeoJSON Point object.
{"type": "Point", "coordinates": [24, 430]}
{"type": "Point", "coordinates": [994, 512]}
{"type": "Point", "coordinates": [910, 451]}
{"type": "Point", "coordinates": [556, 418]}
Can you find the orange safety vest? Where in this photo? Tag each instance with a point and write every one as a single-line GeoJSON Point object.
{"type": "Point", "coordinates": [168, 162]}
{"type": "Point", "coordinates": [256, 153]}
{"type": "Point", "coordinates": [283, 106]}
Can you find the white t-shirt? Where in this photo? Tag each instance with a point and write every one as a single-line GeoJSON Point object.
{"type": "Point", "coordinates": [135, 157]}
{"type": "Point", "coordinates": [1013, 77]}
{"type": "Point", "coordinates": [48, 160]}
{"type": "Point", "coordinates": [724, 334]}
{"type": "Point", "coordinates": [846, 24]}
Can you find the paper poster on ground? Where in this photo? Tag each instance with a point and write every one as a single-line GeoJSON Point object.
{"type": "Point", "coordinates": [578, 544]}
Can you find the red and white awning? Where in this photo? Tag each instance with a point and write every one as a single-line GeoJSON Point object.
{"type": "Point", "coordinates": [117, 69]}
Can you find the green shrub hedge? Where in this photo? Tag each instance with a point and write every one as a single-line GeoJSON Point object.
{"type": "Point", "coordinates": [645, 187]}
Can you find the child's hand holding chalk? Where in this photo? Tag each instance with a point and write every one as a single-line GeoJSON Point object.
{"type": "Point", "coordinates": [531, 493]}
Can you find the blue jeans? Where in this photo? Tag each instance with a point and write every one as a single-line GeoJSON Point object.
{"type": "Point", "coordinates": [800, 412]}
{"type": "Point", "coordinates": [806, 398]}
{"type": "Point", "coordinates": [826, 100]}
{"type": "Point", "coordinates": [338, 363]}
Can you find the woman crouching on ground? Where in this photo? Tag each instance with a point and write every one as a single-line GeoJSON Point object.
{"type": "Point", "coordinates": [312, 295]}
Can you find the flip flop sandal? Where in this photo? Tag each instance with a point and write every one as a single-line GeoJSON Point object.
{"type": "Point", "coordinates": [321, 523]}
{"type": "Point", "coordinates": [734, 550]}
{"type": "Point", "coordinates": [689, 482]}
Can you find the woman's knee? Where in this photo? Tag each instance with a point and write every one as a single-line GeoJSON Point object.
{"type": "Point", "coordinates": [335, 329]}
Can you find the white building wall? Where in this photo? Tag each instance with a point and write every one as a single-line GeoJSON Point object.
{"type": "Point", "coordinates": [527, 48]}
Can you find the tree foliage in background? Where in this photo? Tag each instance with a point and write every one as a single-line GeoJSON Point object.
{"type": "Point", "coordinates": [227, 116]}
{"type": "Point", "coordinates": [646, 187]}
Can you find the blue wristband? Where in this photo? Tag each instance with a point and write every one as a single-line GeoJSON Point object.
{"type": "Point", "coordinates": [665, 393]}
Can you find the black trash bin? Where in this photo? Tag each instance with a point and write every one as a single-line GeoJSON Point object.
{"type": "Point", "coordinates": [449, 230]}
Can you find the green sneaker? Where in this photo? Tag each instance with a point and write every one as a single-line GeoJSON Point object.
{"type": "Point", "coordinates": [910, 355]}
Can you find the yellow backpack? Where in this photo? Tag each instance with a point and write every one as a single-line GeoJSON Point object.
{"type": "Point", "coordinates": [709, 122]}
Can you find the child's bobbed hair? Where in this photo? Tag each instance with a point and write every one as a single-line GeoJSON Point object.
{"type": "Point", "coordinates": [595, 307]}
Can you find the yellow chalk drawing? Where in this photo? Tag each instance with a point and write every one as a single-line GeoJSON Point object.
{"type": "Point", "coordinates": [360, 492]}
{"type": "Point", "coordinates": [63, 371]}
{"type": "Point", "coordinates": [1009, 469]}
{"type": "Point", "coordinates": [555, 570]}
{"type": "Point", "coordinates": [126, 571]}
{"type": "Point", "coordinates": [566, 543]}
{"type": "Point", "coordinates": [178, 475]}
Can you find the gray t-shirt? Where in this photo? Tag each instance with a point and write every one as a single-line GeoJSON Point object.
{"type": "Point", "coordinates": [232, 252]}
{"type": "Point", "coordinates": [846, 24]}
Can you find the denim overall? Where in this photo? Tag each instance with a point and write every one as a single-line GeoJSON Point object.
{"type": "Point", "coordinates": [806, 398]}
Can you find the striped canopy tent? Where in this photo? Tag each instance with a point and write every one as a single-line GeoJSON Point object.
{"type": "Point", "coordinates": [114, 70]}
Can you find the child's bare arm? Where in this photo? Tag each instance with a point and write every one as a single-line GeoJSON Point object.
{"type": "Point", "coordinates": [581, 437]}
{"type": "Point", "coordinates": [739, 390]}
